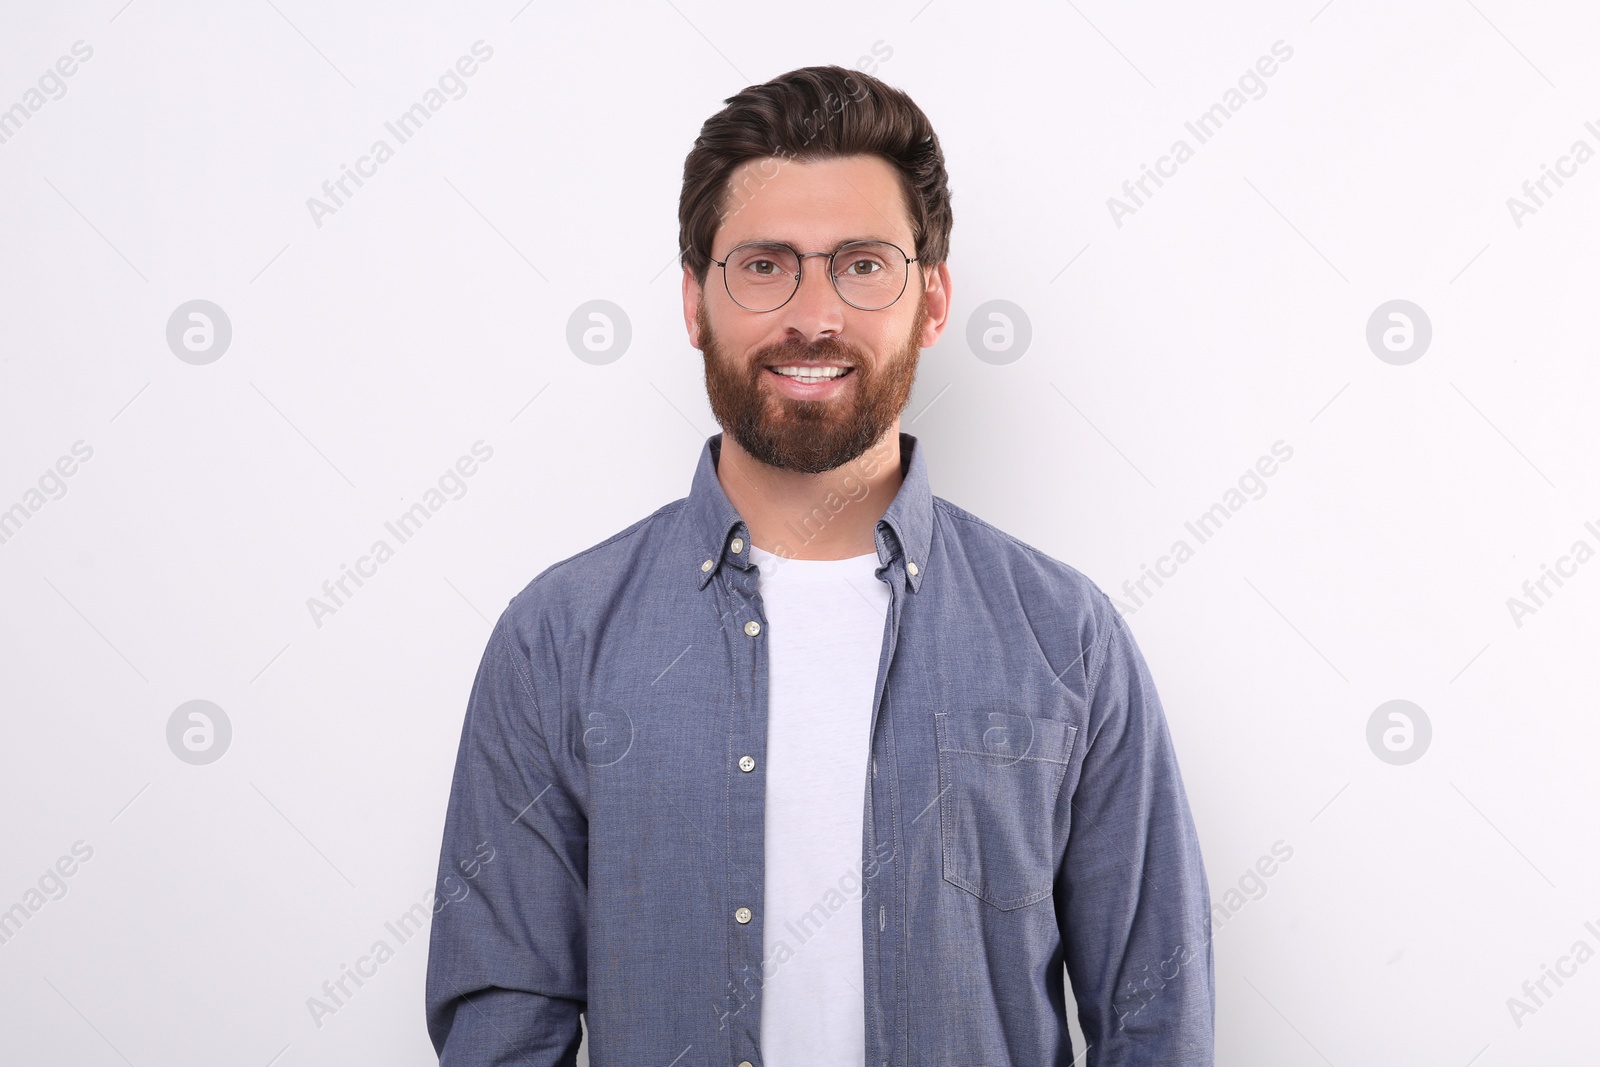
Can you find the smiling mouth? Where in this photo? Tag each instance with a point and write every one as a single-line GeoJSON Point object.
{"type": "Point", "coordinates": [810, 375]}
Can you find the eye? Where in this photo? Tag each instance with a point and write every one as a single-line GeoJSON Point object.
{"type": "Point", "coordinates": [763, 264]}
{"type": "Point", "coordinates": [860, 263]}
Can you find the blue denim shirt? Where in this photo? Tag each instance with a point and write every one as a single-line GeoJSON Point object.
{"type": "Point", "coordinates": [1024, 811]}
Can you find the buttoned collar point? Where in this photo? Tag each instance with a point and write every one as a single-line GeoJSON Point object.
{"type": "Point", "coordinates": [905, 531]}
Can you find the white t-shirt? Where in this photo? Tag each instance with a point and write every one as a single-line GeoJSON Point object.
{"type": "Point", "coordinates": [825, 624]}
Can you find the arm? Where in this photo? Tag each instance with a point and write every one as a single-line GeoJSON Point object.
{"type": "Point", "coordinates": [506, 956]}
{"type": "Point", "coordinates": [1131, 895]}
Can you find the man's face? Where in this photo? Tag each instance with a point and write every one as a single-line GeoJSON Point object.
{"type": "Point", "coordinates": [783, 422]}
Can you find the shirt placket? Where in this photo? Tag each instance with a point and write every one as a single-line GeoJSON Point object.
{"type": "Point", "coordinates": [744, 624]}
{"type": "Point", "coordinates": [880, 913]}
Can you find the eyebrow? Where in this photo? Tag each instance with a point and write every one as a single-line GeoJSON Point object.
{"type": "Point", "coordinates": [791, 244]}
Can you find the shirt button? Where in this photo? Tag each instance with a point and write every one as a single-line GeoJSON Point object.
{"type": "Point", "coordinates": [752, 627]}
{"type": "Point", "coordinates": [737, 546]}
{"type": "Point", "coordinates": [746, 1063]}
{"type": "Point", "coordinates": [747, 764]}
{"type": "Point", "coordinates": [911, 568]}
{"type": "Point", "coordinates": [707, 565]}
{"type": "Point", "coordinates": [743, 915]}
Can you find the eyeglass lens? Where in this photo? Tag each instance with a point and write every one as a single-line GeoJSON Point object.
{"type": "Point", "coordinates": [868, 275]}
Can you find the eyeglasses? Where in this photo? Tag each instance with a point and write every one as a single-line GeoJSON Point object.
{"type": "Point", "coordinates": [764, 275]}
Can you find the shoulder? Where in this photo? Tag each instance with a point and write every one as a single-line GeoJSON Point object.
{"type": "Point", "coordinates": [588, 581]}
{"type": "Point", "coordinates": [1020, 559]}
{"type": "Point", "coordinates": [1051, 593]}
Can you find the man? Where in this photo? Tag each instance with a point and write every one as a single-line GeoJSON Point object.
{"type": "Point", "coordinates": [812, 767]}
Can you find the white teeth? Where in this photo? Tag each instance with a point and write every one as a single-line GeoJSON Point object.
{"type": "Point", "coordinates": [811, 375]}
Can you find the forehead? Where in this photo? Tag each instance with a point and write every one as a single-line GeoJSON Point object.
{"type": "Point", "coordinates": [814, 204]}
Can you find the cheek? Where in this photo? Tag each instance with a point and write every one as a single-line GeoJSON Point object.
{"type": "Point", "coordinates": [891, 340]}
{"type": "Point", "coordinates": [737, 344]}
{"type": "Point", "coordinates": [732, 333]}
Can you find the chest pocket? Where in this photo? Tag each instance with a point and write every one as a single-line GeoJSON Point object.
{"type": "Point", "coordinates": [999, 776]}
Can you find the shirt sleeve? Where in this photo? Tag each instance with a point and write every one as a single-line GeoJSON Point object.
{"type": "Point", "coordinates": [1132, 900]}
{"type": "Point", "coordinates": [506, 975]}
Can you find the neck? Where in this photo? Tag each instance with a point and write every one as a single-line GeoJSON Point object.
{"type": "Point", "coordinates": [830, 515]}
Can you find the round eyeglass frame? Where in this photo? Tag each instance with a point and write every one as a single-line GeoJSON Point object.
{"type": "Point", "coordinates": [800, 269]}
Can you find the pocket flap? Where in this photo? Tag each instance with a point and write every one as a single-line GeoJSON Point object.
{"type": "Point", "coordinates": [1006, 736]}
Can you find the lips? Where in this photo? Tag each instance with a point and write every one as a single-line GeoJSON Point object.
{"type": "Point", "coordinates": [809, 388]}
{"type": "Point", "coordinates": [806, 376]}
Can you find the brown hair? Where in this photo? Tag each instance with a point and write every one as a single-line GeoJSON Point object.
{"type": "Point", "coordinates": [809, 114]}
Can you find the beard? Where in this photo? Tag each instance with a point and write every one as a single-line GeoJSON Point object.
{"type": "Point", "coordinates": [809, 436]}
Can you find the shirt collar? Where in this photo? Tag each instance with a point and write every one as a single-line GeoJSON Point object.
{"type": "Point", "coordinates": [904, 531]}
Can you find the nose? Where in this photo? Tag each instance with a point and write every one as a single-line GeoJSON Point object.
{"type": "Point", "coordinates": [816, 309]}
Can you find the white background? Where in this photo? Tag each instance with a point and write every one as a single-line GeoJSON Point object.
{"type": "Point", "coordinates": [368, 353]}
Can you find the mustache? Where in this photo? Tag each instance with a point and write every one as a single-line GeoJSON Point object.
{"type": "Point", "coordinates": [830, 349]}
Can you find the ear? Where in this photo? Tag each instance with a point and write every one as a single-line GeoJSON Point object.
{"type": "Point", "coordinates": [693, 293]}
{"type": "Point", "coordinates": [939, 297]}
